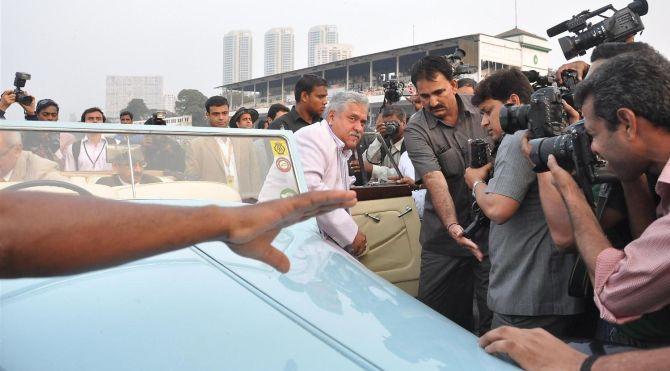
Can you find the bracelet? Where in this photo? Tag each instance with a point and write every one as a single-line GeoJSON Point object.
{"type": "Point", "coordinates": [474, 187]}
{"type": "Point", "coordinates": [588, 362]}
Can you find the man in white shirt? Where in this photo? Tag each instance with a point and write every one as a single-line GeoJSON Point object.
{"type": "Point", "coordinates": [377, 161]}
{"type": "Point", "coordinates": [324, 149]}
{"type": "Point", "coordinates": [90, 153]}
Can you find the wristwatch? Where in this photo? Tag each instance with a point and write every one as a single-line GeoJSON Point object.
{"type": "Point", "coordinates": [474, 187]}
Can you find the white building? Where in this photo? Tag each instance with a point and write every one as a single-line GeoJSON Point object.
{"type": "Point", "coordinates": [122, 89]}
{"type": "Point", "coordinates": [323, 34]}
{"type": "Point", "coordinates": [169, 101]}
{"type": "Point", "coordinates": [326, 53]}
{"type": "Point", "coordinates": [237, 53]}
{"type": "Point", "coordinates": [279, 50]}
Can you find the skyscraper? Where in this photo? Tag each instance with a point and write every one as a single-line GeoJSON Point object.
{"type": "Point", "coordinates": [326, 53]}
{"type": "Point", "coordinates": [323, 34]}
{"type": "Point", "coordinates": [237, 52]}
{"type": "Point", "coordinates": [122, 89]}
{"type": "Point", "coordinates": [279, 50]}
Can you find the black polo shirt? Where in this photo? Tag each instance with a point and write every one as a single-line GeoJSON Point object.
{"type": "Point", "coordinates": [291, 121]}
{"type": "Point", "coordinates": [434, 145]}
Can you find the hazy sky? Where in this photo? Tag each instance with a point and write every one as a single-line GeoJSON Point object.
{"type": "Point", "coordinates": [69, 47]}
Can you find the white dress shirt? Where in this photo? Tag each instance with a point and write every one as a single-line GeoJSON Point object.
{"type": "Point", "coordinates": [91, 157]}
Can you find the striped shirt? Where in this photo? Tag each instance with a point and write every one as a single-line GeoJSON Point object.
{"type": "Point", "coordinates": [636, 280]}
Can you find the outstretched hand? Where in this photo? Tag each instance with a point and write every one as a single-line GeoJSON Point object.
{"type": "Point", "coordinates": [254, 227]}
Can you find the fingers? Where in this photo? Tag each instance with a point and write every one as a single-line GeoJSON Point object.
{"type": "Point", "coordinates": [276, 259]}
{"type": "Point", "coordinates": [552, 164]}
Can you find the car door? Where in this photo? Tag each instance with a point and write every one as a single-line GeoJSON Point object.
{"type": "Point", "coordinates": [389, 218]}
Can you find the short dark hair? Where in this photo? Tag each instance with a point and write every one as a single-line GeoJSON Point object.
{"type": "Point", "coordinates": [277, 107]}
{"type": "Point", "coordinates": [93, 109]}
{"type": "Point", "coordinates": [501, 84]}
{"type": "Point", "coordinates": [306, 84]}
{"type": "Point", "coordinates": [638, 82]}
{"type": "Point", "coordinates": [126, 113]}
{"type": "Point", "coordinates": [43, 104]}
{"type": "Point", "coordinates": [216, 101]}
{"type": "Point", "coordinates": [396, 111]}
{"type": "Point", "coordinates": [609, 50]}
{"type": "Point", "coordinates": [466, 81]}
{"type": "Point", "coordinates": [428, 67]}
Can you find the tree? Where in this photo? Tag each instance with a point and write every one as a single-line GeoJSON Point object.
{"type": "Point", "coordinates": [138, 108]}
{"type": "Point", "coordinates": [192, 102]}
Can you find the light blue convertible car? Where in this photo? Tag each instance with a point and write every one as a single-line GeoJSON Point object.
{"type": "Point", "coordinates": [205, 308]}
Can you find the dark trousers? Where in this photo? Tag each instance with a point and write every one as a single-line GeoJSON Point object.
{"type": "Point", "coordinates": [448, 284]}
{"type": "Point", "coordinates": [557, 325]}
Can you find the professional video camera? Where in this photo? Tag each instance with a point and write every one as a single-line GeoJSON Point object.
{"type": "Point", "coordinates": [480, 154]}
{"type": "Point", "coordinates": [392, 91]}
{"type": "Point", "coordinates": [572, 151]}
{"type": "Point", "coordinates": [567, 88]}
{"type": "Point", "coordinates": [621, 25]}
{"type": "Point", "coordinates": [456, 61]}
{"type": "Point", "coordinates": [543, 117]}
{"type": "Point", "coordinates": [20, 79]}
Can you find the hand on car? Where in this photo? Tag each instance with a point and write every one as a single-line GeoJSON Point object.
{"type": "Point", "coordinates": [534, 349]}
{"type": "Point", "coordinates": [254, 227]}
{"type": "Point", "coordinates": [472, 175]}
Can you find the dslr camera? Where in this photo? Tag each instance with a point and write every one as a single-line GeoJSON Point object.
{"type": "Point", "coordinates": [567, 88]}
{"type": "Point", "coordinates": [20, 79]}
{"type": "Point", "coordinates": [618, 27]}
{"type": "Point", "coordinates": [392, 128]}
{"type": "Point", "coordinates": [455, 59]}
{"type": "Point", "coordinates": [543, 117]}
{"type": "Point", "coordinates": [572, 151]}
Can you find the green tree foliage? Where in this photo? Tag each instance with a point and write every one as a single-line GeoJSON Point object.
{"type": "Point", "coordinates": [138, 108]}
{"type": "Point", "coordinates": [192, 102]}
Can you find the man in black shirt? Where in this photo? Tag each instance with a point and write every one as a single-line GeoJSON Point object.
{"type": "Point", "coordinates": [311, 96]}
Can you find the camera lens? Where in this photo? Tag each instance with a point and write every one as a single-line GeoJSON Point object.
{"type": "Point", "coordinates": [561, 147]}
{"type": "Point", "coordinates": [391, 128]}
{"type": "Point", "coordinates": [514, 118]}
{"type": "Point", "coordinates": [568, 46]}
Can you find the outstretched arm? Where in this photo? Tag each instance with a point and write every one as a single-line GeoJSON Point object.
{"type": "Point", "coordinates": [36, 240]}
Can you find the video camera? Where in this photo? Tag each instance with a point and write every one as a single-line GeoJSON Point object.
{"type": "Point", "coordinates": [456, 61]}
{"type": "Point", "coordinates": [543, 117]}
{"type": "Point", "coordinates": [621, 25]}
{"type": "Point", "coordinates": [392, 91]}
{"type": "Point", "coordinates": [567, 88]}
{"type": "Point", "coordinates": [572, 151]}
{"type": "Point", "coordinates": [480, 153]}
{"type": "Point", "coordinates": [20, 79]}
{"type": "Point", "coordinates": [392, 127]}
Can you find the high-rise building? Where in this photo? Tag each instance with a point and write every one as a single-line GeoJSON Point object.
{"type": "Point", "coordinates": [169, 101]}
{"type": "Point", "coordinates": [237, 52]}
{"type": "Point", "coordinates": [120, 90]}
{"type": "Point", "coordinates": [279, 50]}
{"type": "Point", "coordinates": [326, 53]}
{"type": "Point", "coordinates": [323, 34]}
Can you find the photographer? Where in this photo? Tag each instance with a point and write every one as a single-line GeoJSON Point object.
{"type": "Point", "coordinates": [524, 260]}
{"type": "Point", "coordinates": [9, 97]}
{"type": "Point", "coordinates": [626, 111]}
{"type": "Point", "coordinates": [391, 125]}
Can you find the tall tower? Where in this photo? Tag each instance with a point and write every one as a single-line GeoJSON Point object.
{"type": "Point", "coordinates": [237, 53]}
{"type": "Point", "coordinates": [279, 50]}
{"type": "Point", "coordinates": [323, 34]}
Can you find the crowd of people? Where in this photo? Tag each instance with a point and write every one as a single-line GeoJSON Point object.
{"type": "Point", "coordinates": [508, 282]}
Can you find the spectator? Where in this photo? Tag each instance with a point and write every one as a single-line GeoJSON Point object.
{"type": "Point", "coordinates": [126, 118]}
{"type": "Point", "coordinates": [311, 98]}
{"type": "Point", "coordinates": [45, 144]}
{"type": "Point", "coordinates": [90, 153]}
{"type": "Point", "coordinates": [324, 149]}
{"type": "Point", "coordinates": [524, 260]}
{"type": "Point", "coordinates": [466, 86]}
{"type": "Point", "coordinates": [124, 175]}
{"type": "Point", "coordinates": [217, 111]}
{"type": "Point", "coordinates": [17, 165]}
{"type": "Point", "coordinates": [244, 118]}
{"type": "Point", "coordinates": [451, 264]}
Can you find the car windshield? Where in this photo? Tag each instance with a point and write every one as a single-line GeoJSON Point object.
{"type": "Point", "coordinates": [121, 163]}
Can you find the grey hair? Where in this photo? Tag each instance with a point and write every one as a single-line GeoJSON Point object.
{"type": "Point", "coordinates": [12, 138]}
{"type": "Point", "coordinates": [340, 100]}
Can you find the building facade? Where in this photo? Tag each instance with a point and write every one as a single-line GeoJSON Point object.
{"type": "Point", "coordinates": [237, 56]}
{"type": "Point", "coordinates": [366, 74]}
{"type": "Point", "coordinates": [120, 90]}
{"type": "Point", "coordinates": [322, 34]}
{"type": "Point", "coordinates": [327, 53]}
{"type": "Point", "coordinates": [279, 50]}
